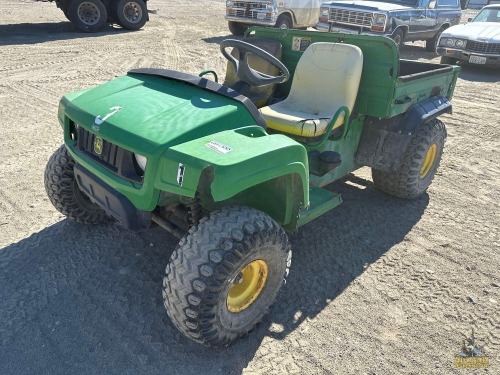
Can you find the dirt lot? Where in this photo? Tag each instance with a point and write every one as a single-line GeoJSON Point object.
{"type": "Point", "coordinates": [378, 286]}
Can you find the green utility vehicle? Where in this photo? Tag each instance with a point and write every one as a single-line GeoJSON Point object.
{"type": "Point", "coordinates": [230, 168]}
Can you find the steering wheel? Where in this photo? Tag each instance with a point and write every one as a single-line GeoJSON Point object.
{"type": "Point", "coordinates": [243, 71]}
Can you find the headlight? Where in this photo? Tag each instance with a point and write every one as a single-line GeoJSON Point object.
{"type": "Point", "coordinates": [379, 18]}
{"type": "Point", "coordinates": [272, 6]}
{"type": "Point", "coordinates": [141, 161]}
{"type": "Point", "coordinates": [323, 12]}
{"type": "Point", "coordinates": [229, 3]}
{"type": "Point", "coordinates": [452, 42]}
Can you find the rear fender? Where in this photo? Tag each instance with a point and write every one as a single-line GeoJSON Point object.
{"type": "Point", "coordinates": [384, 141]}
{"type": "Point", "coordinates": [245, 166]}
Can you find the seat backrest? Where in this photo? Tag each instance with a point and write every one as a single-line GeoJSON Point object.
{"type": "Point", "coordinates": [326, 78]}
{"type": "Point", "coordinates": [258, 95]}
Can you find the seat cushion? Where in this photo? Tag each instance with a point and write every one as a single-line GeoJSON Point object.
{"type": "Point", "coordinates": [283, 118]}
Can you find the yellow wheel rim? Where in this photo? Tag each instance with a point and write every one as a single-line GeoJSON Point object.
{"type": "Point", "coordinates": [429, 159]}
{"type": "Point", "coordinates": [247, 286]}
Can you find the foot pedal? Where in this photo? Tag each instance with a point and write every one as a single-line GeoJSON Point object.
{"type": "Point", "coordinates": [320, 163]}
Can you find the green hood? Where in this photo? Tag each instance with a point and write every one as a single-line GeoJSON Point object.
{"type": "Point", "coordinates": [147, 114]}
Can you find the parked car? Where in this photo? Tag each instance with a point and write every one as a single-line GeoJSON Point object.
{"type": "Point", "coordinates": [479, 4]}
{"type": "Point", "coordinates": [401, 20]}
{"type": "Point", "coordinates": [477, 42]}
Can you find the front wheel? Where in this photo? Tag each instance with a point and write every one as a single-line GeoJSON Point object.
{"type": "Point", "coordinates": [225, 274]}
{"type": "Point", "coordinates": [284, 22]}
{"type": "Point", "coordinates": [87, 15]}
{"type": "Point", "coordinates": [237, 28]}
{"type": "Point", "coordinates": [64, 193]}
{"type": "Point", "coordinates": [431, 44]}
{"type": "Point", "coordinates": [398, 37]}
{"type": "Point", "coordinates": [419, 165]}
{"type": "Point", "coordinates": [131, 14]}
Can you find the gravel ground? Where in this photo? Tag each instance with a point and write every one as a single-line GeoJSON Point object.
{"type": "Point", "coordinates": [377, 286]}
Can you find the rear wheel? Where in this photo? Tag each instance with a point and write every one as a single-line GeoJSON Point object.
{"type": "Point", "coordinates": [419, 165]}
{"type": "Point", "coordinates": [284, 22]}
{"type": "Point", "coordinates": [237, 28]}
{"type": "Point", "coordinates": [131, 14]}
{"type": "Point", "coordinates": [225, 274]}
{"type": "Point", "coordinates": [87, 15]}
{"type": "Point", "coordinates": [64, 193]}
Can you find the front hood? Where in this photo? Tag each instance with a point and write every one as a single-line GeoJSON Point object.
{"type": "Point", "coordinates": [479, 31]}
{"type": "Point", "coordinates": [148, 114]}
{"type": "Point", "coordinates": [369, 5]}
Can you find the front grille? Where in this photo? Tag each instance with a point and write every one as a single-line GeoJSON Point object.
{"type": "Point", "coordinates": [351, 17]}
{"type": "Point", "coordinates": [245, 9]}
{"type": "Point", "coordinates": [114, 158]}
{"type": "Point", "coordinates": [482, 47]}
{"type": "Point", "coordinates": [109, 153]}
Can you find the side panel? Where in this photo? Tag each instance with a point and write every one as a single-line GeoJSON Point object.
{"type": "Point", "coordinates": [346, 147]}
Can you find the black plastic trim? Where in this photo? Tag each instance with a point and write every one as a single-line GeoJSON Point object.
{"type": "Point", "coordinates": [114, 203]}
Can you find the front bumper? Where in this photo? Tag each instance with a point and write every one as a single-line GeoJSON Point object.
{"type": "Point", "coordinates": [114, 203]}
{"type": "Point", "coordinates": [469, 57]}
{"type": "Point", "coordinates": [251, 21]}
{"type": "Point", "coordinates": [325, 26]}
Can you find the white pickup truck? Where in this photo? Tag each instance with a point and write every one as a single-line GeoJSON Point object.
{"type": "Point", "coordinates": [283, 14]}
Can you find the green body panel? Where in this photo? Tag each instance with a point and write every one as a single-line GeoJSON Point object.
{"type": "Point", "coordinates": [321, 201]}
{"type": "Point", "coordinates": [346, 147]}
{"type": "Point", "coordinates": [155, 114]}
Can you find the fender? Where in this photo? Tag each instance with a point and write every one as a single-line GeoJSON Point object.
{"type": "Point", "coordinates": [385, 141]}
{"type": "Point", "coordinates": [422, 112]}
{"type": "Point", "coordinates": [245, 166]}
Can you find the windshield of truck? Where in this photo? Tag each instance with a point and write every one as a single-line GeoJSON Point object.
{"type": "Point", "coordinates": [488, 15]}
{"type": "Point", "coordinates": [400, 2]}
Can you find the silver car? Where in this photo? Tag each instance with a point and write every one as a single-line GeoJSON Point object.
{"type": "Point", "coordinates": [477, 42]}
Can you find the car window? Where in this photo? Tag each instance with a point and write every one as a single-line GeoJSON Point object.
{"type": "Point", "coordinates": [488, 15]}
{"type": "Point", "coordinates": [447, 3]}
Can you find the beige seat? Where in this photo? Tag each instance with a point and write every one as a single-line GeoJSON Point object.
{"type": "Point", "coordinates": [258, 95]}
{"type": "Point", "coordinates": [325, 80]}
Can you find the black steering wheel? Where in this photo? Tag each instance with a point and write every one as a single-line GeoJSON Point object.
{"type": "Point", "coordinates": [243, 71]}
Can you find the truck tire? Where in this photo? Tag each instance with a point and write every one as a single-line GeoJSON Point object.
{"type": "Point", "coordinates": [398, 37]}
{"type": "Point", "coordinates": [420, 163]}
{"type": "Point", "coordinates": [225, 274]}
{"type": "Point", "coordinates": [63, 192]}
{"type": "Point", "coordinates": [130, 14]}
{"type": "Point", "coordinates": [237, 28]}
{"type": "Point", "coordinates": [448, 60]}
{"type": "Point", "coordinates": [431, 44]}
{"type": "Point", "coordinates": [87, 15]}
{"type": "Point", "coordinates": [284, 22]}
